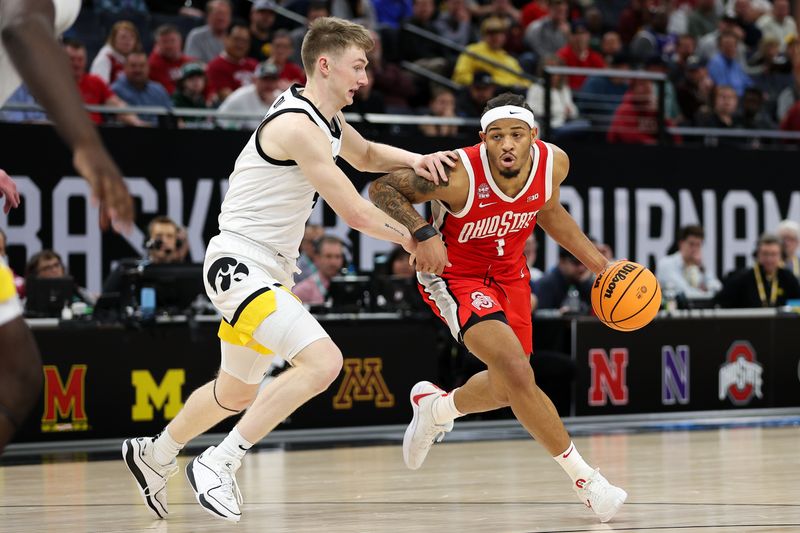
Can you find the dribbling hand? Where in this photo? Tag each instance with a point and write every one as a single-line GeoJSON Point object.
{"type": "Point", "coordinates": [8, 189]}
{"type": "Point", "coordinates": [431, 166]}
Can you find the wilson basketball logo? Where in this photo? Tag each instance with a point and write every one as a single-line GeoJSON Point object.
{"type": "Point", "coordinates": [619, 276]}
{"type": "Point", "coordinates": [481, 301]}
{"type": "Point", "coordinates": [224, 271]}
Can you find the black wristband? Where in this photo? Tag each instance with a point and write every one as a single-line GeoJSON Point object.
{"type": "Point", "coordinates": [425, 232]}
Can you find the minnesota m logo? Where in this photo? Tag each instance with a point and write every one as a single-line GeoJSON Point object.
{"type": "Point", "coordinates": [363, 382]}
{"type": "Point", "coordinates": [165, 395]}
{"type": "Point", "coordinates": [64, 407]}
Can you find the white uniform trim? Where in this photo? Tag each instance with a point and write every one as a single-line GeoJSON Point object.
{"type": "Point", "coordinates": [439, 209]}
{"type": "Point", "coordinates": [548, 173]}
{"type": "Point", "coordinates": [490, 178]}
{"type": "Point", "coordinates": [436, 287]}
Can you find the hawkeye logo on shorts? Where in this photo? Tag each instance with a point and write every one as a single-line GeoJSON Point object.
{"type": "Point", "coordinates": [225, 270]}
{"type": "Point", "coordinates": [481, 301]}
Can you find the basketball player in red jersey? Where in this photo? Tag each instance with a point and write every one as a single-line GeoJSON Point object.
{"type": "Point", "coordinates": [496, 194]}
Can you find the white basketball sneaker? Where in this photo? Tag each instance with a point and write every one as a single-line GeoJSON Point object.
{"type": "Point", "coordinates": [600, 496]}
{"type": "Point", "coordinates": [423, 431]}
{"type": "Point", "coordinates": [151, 476]}
{"type": "Point", "coordinates": [214, 484]}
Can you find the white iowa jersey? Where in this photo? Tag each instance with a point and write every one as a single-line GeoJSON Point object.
{"type": "Point", "coordinates": [66, 11]}
{"type": "Point", "coordinates": [269, 201]}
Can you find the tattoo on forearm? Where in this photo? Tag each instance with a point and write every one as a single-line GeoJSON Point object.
{"type": "Point", "coordinates": [396, 193]}
{"type": "Point", "coordinates": [394, 229]}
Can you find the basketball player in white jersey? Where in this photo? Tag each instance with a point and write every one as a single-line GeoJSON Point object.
{"type": "Point", "coordinates": [29, 52]}
{"type": "Point", "coordinates": [249, 269]}
{"type": "Point", "coordinates": [497, 192]}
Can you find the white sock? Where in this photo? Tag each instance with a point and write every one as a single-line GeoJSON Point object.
{"type": "Point", "coordinates": [444, 408]}
{"type": "Point", "coordinates": [165, 448]}
{"type": "Point", "coordinates": [573, 464]}
{"type": "Point", "coordinates": [233, 446]}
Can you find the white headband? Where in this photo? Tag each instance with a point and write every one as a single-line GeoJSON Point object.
{"type": "Point", "coordinates": [507, 111]}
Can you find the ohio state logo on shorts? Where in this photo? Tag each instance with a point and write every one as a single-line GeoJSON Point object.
{"type": "Point", "coordinates": [481, 301]}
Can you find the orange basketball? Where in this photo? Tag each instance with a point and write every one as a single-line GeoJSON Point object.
{"type": "Point", "coordinates": [626, 296]}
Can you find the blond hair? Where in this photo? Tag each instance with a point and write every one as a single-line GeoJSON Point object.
{"type": "Point", "coordinates": [332, 35]}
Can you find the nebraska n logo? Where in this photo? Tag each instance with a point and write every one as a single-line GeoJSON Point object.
{"type": "Point", "coordinates": [363, 382]}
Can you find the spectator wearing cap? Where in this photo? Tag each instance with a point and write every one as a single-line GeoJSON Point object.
{"type": "Point", "coordinates": [493, 37]}
{"type": "Point", "coordinates": [472, 99]}
{"type": "Point", "coordinates": [316, 9]}
{"type": "Point", "coordinates": [703, 19]}
{"type": "Point", "coordinates": [778, 24]}
{"type": "Point", "coordinates": [725, 68]}
{"type": "Point", "coordinates": [455, 23]}
{"type": "Point", "coordinates": [549, 34]}
{"type": "Point", "coordinates": [654, 39]}
{"type": "Point", "coordinates": [207, 42]}
{"type": "Point", "coordinates": [788, 232]}
{"type": "Point", "coordinates": [136, 88]}
{"type": "Point", "coordinates": [600, 96]}
{"type": "Point", "coordinates": [191, 90]}
{"type": "Point", "coordinates": [167, 58]}
{"type": "Point", "coordinates": [281, 50]}
{"type": "Point", "coordinates": [254, 98]}
{"type": "Point", "coordinates": [694, 91]}
{"type": "Point", "coordinates": [576, 53]}
{"type": "Point", "coordinates": [262, 28]}
{"type": "Point", "coordinates": [232, 68]}
{"type": "Point", "coordinates": [551, 290]}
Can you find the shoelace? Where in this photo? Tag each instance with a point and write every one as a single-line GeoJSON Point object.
{"type": "Point", "coordinates": [436, 433]}
{"type": "Point", "coordinates": [590, 488]}
{"type": "Point", "coordinates": [228, 477]}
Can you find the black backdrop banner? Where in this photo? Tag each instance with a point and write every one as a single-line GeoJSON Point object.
{"type": "Point", "coordinates": [632, 197]}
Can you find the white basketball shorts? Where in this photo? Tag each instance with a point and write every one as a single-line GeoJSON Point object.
{"type": "Point", "coordinates": [250, 286]}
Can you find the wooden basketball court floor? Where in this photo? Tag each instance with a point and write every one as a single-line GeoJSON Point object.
{"type": "Point", "coordinates": [726, 480]}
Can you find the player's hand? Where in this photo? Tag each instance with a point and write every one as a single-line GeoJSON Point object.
{"type": "Point", "coordinates": [431, 256]}
{"type": "Point", "coordinates": [108, 188]}
{"type": "Point", "coordinates": [432, 166]}
{"type": "Point", "coordinates": [8, 189]}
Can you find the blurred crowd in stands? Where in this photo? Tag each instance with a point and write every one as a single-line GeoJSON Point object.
{"type": "Point", "coordinates": [729, 64]}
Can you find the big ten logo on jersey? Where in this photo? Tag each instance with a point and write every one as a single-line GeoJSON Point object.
{"type": "Point", "coordinates": [740, 378]}
{"type": "Point", "coordinates": [64, 401]}
{"type": "Point", "coordinates": [225, 271]}
{"type": "Point", "coordinates": [363, 382]}
{"type": "Point", "coordinates": [496, 226]}
{"type": "Point", "coordinates": [481, 301]}
{"type": "Point", "coordinates": [166, 396]}
{"type": "Point", "coordinates": [609, 376]}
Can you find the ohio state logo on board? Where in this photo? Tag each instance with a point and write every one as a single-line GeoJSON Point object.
{"type": "Point", "coordinates": [481, 301]}
{"type": "Point", "coordinates": [741, 377]}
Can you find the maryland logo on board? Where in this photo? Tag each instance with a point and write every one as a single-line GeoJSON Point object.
{"type": "Point", "coordinates": [64, 401]}
{"type": "Point", "coordinates": [363, 382]}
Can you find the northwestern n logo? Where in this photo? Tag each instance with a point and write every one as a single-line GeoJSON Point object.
{"type": "Point", "coordinates": [363, 382]}
{"type": "Point", "coordinates": [225, 270]}
{"type": "Point", "coordinates": [608, 376]}
{"type": "Point", "coordinates": [674, 375]}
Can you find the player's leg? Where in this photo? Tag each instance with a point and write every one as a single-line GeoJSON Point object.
{"type": "Point", "coordinates": [20, 375]}
{"type": "Point", "coordinates": [291, 332]}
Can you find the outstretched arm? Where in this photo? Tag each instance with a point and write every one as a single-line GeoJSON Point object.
{"type": "Point", "coordinates": [394, 194]}
{"type": "Point", "coordinates": [26, 27]}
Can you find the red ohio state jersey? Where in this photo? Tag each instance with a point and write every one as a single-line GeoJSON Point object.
{"type": "Point", "coordinates": [488, 235]}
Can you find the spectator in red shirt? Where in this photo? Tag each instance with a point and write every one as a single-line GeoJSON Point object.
{"type": "Point", "coordinates": [533, 11]}
{"type": "Point", "coordinates": [232, 68]}
{"type": "Point", "coordinates": [281, 49]}
{"type": "Point", "coordinates": [167, 57]}
{"type": "Point", "coordinates": [791, 122]}
{"type": "Point", "coordinates": [578, 54]}
{"type": "Point", "coordinates": [635, 120]}
{"type": "Point", "coordinates": [94, 90]}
